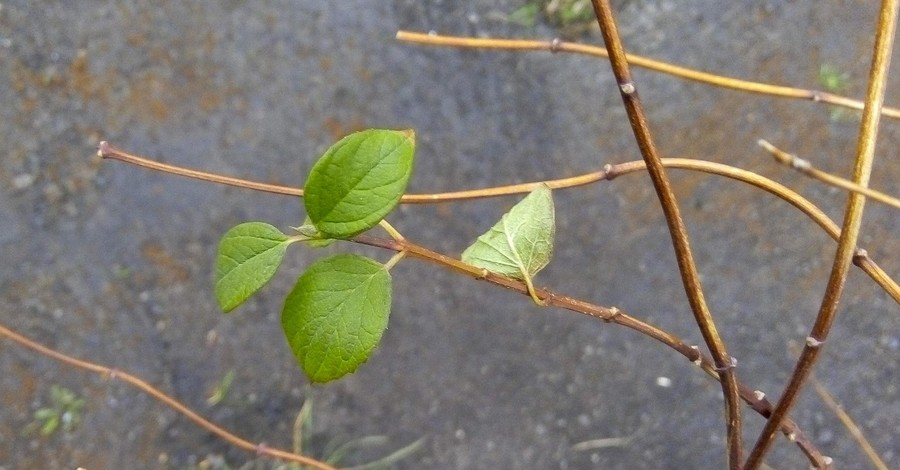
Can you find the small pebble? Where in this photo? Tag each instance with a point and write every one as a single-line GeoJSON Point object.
{"type": "Point", "coordinates": [23, 181]}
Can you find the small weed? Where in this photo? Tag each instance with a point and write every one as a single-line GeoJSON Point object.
{"type": "Point", "coordinates": [834, 80]}
{"type": "Point", "coordinates": [222, 389]}
{"type": "Point", "coordinates": [335, 452]}
{"type": "Point", "coordinates": [64, 410]}
{"type": "Point", "coordinates": [573, 17]}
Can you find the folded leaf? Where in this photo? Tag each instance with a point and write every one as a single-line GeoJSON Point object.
{"type": "Point", "coordinates": [521, 243]}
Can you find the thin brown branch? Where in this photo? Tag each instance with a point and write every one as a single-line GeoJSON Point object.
{"type": "Point", "coordinates": [111, 373]}
{"type": "Point", "coordinates": [108, 151]}
{"type": "Point", "coordinates": [806, 168]}
{"type": "Point", "coordinates": [639, 61]}
{"type": "Point", "coordinates": [754, 398]}
{"type": "Point", "coordinates": [608, 173]}
{"type": "Point", "coordinates": [862, 168]}
{"type": "Point", "coordinates": [686, 266]}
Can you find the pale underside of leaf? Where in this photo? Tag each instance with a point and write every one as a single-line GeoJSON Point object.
{"type": "Point", "coordinates": [521, 243]}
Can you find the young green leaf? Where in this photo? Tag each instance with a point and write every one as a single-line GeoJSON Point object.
{"type": "Point", "coordinates": [358, 181]}
{"type": "Point", "coordinates": [249, 255]}
{"type": "Point", "coordinates": [521, 243]}
{"type": "Point", "coordinates": [335, 315]}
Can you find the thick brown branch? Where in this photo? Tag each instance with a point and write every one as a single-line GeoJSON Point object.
{"type": "Point", "coordinates": [689, 275]}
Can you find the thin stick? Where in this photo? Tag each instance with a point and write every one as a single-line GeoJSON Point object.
{"type": "Point", "coordinates": [107, 151]}
{"type": "Point", "coordinates": [754, 398]}
{"type": "Point", "coordinates": [608, 173]}
{"type": "Point", "coordinates": [638, 61]}
{"type": "Point", "coordinates": [145, 387]}
{"type": "Point", "coordinates": [862, 168]}
{"type": "Point", "coordinates": [848, 423]}
{"type": "Point", "coordinates": [844, 417]}
{"type": "Point", "coordinates": [806, 168]}
{"type": "Point", "coordinates": [686, 266]}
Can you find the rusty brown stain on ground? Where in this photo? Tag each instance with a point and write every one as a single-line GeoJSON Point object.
{"type": "Point", "coordinates": [172, 270]}
{"type": "Point", "coordinates": [338, 129]}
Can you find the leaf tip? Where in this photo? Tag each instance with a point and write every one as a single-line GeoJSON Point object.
{"type": "Point", "coordinates": [410, 134]}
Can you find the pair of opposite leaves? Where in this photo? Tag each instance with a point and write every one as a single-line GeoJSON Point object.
{"type": "Point", "coordinates": [336, 313]}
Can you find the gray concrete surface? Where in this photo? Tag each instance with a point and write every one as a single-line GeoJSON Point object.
{"type": "Point", "coordinates": [114, 264]}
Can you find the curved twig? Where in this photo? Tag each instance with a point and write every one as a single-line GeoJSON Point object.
{"type": "Point", "coordinates": [111, 373]}
{"type": "Point", "coordinates": [754, 398]}
{"type": "Point", "coordinates": [608, 173]}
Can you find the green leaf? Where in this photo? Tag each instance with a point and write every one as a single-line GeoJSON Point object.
{"type": "Point", "coordinates": [335, 315]}
{"type": "Point", "coordinates": [358, 181]}
{"type": "Point", "coordinates": [249, 255]}
{"type": "Point", "coordinates": [521, 243]}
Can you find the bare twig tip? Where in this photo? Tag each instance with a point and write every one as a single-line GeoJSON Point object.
{"type": "Point", "coordinates": [103, 149]}
{"type": "Point", "coordinates": [699, 360]}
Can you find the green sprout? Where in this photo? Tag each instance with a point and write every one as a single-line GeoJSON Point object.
{"type": "Point", "coordinates": [222, 389]}
{"type": "Point", "coordinates": [834, 80]}
{"type": "Point", "coordinates": [64, 410]}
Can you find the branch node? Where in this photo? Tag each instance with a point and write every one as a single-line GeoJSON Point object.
{"type": "Point", "coordinates": [817, 96]}
{"type": "Point", "coordinates": [813, 342]}
{"type": "Point", "coordinates": [112, 374]}
{"type": "Point", "coordinates": [555, 45]}
{"type": "Point", "coordinates": [859, 256]}
{"type": "Point", "coordinates": [791, 436]}
{"type": "Point", "coordinates": [731, 365]}
{"type": "Point", "coordinates": [103, 149]}
{"type": "Point", "coordinates": [261, 449]}
{"type": "Point", "coordinates": [627, 88]}
{"type": "Point", "coordinates": [482, 275]}
{"type": "Point", "coordinates": [759, 395]}
{"type": "Point", "coordinates": [798, 163]}
{"type": "Point", "coordinates": [613, 313]}
{"type": "Point", "coordinates": [610, 172]}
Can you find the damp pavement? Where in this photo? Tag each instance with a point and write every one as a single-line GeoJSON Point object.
{"type": "Point", "coordinates": [113, 264]}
